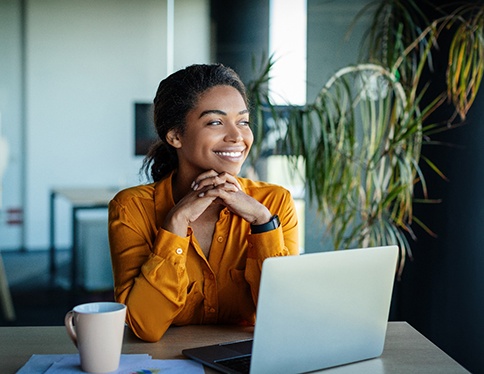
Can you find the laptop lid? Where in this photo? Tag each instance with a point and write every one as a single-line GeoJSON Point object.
{"type": "Point", "coordinates": [318, 310]}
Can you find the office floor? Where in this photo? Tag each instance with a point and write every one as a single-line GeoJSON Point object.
{"type": "Point", "coordinates": [37, 300]}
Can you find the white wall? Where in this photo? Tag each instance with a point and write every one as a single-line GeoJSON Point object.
{"type": "Point", "coordinates": [192, 32]}
{"type": "Point", "coordinates": [87, 63]}
{"type": "Point", "coordinates": [11, 119]}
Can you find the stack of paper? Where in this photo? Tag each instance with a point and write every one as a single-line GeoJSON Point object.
{"type": "Point", "coordinates": [129, 364]}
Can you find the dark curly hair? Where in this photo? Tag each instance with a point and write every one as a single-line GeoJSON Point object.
{"type": "Point", "coordinates": [176, 96]}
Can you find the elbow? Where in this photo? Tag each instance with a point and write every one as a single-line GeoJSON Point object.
{"type": "Point", "coordinates": [145, 326]}
{"type": "Point", "coordinates": [144, 330]}
{"type": "Point", "coordinates": [148, 336]}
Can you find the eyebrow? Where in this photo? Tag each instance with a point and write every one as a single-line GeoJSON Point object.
{"type": "Point", "coordinates": [221, 112]}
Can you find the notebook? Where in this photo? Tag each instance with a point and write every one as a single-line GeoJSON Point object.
{"type": "Point", "coordinates": [314, 311]}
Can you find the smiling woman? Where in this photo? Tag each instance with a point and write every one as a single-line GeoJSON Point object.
{"type": "Point", "coordinates": [188, 248]}
{"type": "Point", "coordinates": [219, 137]}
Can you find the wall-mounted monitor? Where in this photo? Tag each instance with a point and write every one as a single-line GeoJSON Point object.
{"type": "Point", "coordinates": [144, 129]}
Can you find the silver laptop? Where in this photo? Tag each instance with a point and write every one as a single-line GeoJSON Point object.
{"type": "Point", "coordinates": [314, 311]}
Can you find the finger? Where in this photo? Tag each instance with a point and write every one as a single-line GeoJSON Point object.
{"type": "Point", "coordinates": [228, 187]}
{"type": "Point", "coordinates": [223, 179]}
{"type": "Point", "coordinates": [208, 181]}
{"type": "Point", "coordinates": [205, 183]}
{"type": "Point", "coordinates": [214, 179]}
{"type": "Point", "coordinates": [203, 179]}
{"type": "Point", "coordinates": [202, 190]}
{"type": "Point", "coordinates": [219, 190]}
{"type": "Point", "coordinates": [231, 179]}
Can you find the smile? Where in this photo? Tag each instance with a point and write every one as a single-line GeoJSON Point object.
{"type": "Point", "coordinates": [229, 154]}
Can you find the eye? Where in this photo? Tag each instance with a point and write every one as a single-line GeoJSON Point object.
{"type": "Point", "coordinates": [244, 123]}
{"type": "Point", "coordinates": [214, 123]}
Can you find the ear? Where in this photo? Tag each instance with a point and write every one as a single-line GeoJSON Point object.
{"type": "Point", "coordinates": [173, 138]}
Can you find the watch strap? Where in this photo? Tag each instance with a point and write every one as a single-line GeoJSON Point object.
{"type": "Point", "coordinates": [273, 224]}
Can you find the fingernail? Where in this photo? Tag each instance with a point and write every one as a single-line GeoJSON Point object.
{"type": "Point", "coordinates": [193, 184]}
{"type": "Point", "coordinates": [202, 194]}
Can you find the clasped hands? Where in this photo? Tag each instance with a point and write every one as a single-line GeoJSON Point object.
{"type": "Point", "coordinates": [212, 188]}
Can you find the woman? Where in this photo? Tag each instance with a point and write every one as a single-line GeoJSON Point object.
{"type": "Point", "coordinates": [188, 248]}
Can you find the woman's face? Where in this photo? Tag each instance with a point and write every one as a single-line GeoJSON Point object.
{"type": "Point", "coordinates": [217, 134]}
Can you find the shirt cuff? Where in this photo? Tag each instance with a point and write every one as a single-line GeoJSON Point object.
{"type": "Point", "coordinates": [266, 244]}
{"type": "Point", "coordinates": [171, 246]}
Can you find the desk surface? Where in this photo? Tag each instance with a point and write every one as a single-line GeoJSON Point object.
{"type": "Point", "coordinates": [406, 350]}
{"type": "Point", "coordinates": [86, 196]}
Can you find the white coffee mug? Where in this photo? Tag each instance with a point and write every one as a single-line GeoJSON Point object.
{"type": "Point", "coordinates": [97, 330]}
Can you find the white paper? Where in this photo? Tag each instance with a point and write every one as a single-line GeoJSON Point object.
{"type": "Point", "coordinates": [129, 364]}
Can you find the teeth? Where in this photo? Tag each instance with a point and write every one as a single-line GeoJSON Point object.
{"type": "Point", "coordinates": [229, 154]}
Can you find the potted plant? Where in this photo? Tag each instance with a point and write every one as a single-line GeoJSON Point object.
{"type": "Point", "coordinates": [361, 139]}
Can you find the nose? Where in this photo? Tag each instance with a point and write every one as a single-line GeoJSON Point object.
{"type": "Point", "coordinates": [233, 134]}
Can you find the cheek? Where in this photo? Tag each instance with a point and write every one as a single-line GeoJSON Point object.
{"type": "Point", "coordinates": [249, 137]}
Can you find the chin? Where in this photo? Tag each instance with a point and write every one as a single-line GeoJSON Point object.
{"type": "Point", "coordinates": [232, 171]}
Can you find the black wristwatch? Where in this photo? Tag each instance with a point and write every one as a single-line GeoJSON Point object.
{"type": "Point", "coordinates": [273, 224]}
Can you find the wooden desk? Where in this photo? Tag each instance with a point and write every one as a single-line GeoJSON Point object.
{"type": "Point", "coordinates": [406, 350]}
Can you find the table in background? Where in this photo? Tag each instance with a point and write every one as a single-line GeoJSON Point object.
{"type": "Point", "coordinates": [406, 350]}
{"type": "Point", "coordinates": [79, 199]}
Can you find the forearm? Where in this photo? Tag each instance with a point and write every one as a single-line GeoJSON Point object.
{"type": "Point", "coordinates": [149, 274]}
{"type": "Point", "coordinates": [155, 297]}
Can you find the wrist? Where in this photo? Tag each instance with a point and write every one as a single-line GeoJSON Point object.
{"type": "Point", "coordinates": [176, 224]}
{"type": "Point", "coordinates": [272, 224]}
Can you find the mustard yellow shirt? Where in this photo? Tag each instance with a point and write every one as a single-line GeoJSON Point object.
{"type": "Point", "coordinates": [166, 279]}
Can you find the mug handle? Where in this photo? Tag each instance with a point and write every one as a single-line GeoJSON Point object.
{"type": "Point", "coordinates": [69, 323]}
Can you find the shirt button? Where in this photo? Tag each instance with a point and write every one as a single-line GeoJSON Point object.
{"type": "Point", "coordinates": [211, 276]}
{"type": "Point", "coordinates": [220, 239]}
{"type": "Point", "coordinates": [212, 310]}
{"type": "Point", "coordinates": [179, 251]}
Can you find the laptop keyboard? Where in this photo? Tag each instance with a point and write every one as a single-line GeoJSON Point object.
{"type": "Point", "coordinates": [237, 364]}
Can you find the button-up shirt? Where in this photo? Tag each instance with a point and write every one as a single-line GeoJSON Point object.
{"type": "Point", "coordinates": [166, 279]}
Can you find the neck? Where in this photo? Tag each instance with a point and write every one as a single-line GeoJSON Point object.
{"type": "Point", "coordinates": [180, 185]}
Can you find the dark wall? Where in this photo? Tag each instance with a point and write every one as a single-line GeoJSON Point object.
{"type": "Point", "coordinates": [240, 30]}
{"type": "Point", "coordinates": [442, 290]}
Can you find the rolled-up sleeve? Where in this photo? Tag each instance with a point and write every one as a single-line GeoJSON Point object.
{"type": "Point", "coordinates": [150, 278]}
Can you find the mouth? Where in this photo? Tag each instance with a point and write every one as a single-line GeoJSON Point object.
{"type": "Point", "coordinates": [231, 155]}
